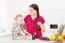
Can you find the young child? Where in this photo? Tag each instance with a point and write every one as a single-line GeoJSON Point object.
{"type": "Point", "coordinates": [19, 31]}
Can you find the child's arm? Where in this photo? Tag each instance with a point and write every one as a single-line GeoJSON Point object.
{"type": "Point", "coordinates": [13, 27]}
{"type": "Point", "coordinates": [13, 32]}
{"type": "Point", "coordinates": [23, 28]}
{"type": "Point", "coordinates": [27, 33]}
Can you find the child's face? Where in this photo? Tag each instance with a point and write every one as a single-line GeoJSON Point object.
{"type": "Point", "coordinates": [19, 20]}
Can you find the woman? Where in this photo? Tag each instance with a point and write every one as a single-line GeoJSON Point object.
{"type": "Point", "coordinates": [35, 22]}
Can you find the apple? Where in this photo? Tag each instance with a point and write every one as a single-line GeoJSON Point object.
{"type": "Point", "coordinates": [64, 37]}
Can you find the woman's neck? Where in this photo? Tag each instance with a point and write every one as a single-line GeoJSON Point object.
{"type": "Point", "coordinates": [34, 16]}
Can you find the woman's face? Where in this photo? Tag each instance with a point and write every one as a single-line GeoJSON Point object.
{"type": "Point", "coordinates": [33, 11]}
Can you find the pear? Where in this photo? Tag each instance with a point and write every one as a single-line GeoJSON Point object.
{"type": "Point", "coordinates": [60, 38]}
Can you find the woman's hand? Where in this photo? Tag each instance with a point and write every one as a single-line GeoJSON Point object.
{"type": "Point", "coordinates": [39, 23]}
{"type": "Point", "coordinates": [41, 26]}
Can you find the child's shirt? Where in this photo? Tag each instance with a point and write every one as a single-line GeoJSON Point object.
{"type": "Point", "coordinates": [17, 32]}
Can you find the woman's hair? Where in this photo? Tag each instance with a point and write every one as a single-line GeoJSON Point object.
{"type": "Point", "coordinates": [35, 6]}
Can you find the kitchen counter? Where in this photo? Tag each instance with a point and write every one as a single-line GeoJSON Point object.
{"type": "Point", "coordinates": [8, 39]}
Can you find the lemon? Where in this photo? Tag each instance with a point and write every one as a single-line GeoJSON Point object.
{"type": "Point", "coordinates": [53, 37]}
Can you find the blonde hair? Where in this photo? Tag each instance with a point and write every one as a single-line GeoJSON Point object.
{"type": "Point", "coordinates": [19, 15]}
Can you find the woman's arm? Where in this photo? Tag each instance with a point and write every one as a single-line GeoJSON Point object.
{"type": "Point", "coordinates": [42, 26]}
{"type": "Point", "coordinates": [28, 33]}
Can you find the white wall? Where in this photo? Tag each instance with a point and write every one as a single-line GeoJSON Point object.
{"type": "Point", "coordinates": [52, 10]}
{"type": "Point", "coordinates": [3, 16]}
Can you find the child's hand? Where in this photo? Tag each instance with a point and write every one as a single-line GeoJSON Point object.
{"type": "Point", "coordinates": [29, 34]}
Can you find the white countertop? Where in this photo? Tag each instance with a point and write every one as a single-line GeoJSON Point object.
{"type": "Point", "coordinates": [8, 39]}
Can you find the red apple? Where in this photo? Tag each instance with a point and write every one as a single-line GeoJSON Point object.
{"type": "Point", "coordinates": [64, 37]}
